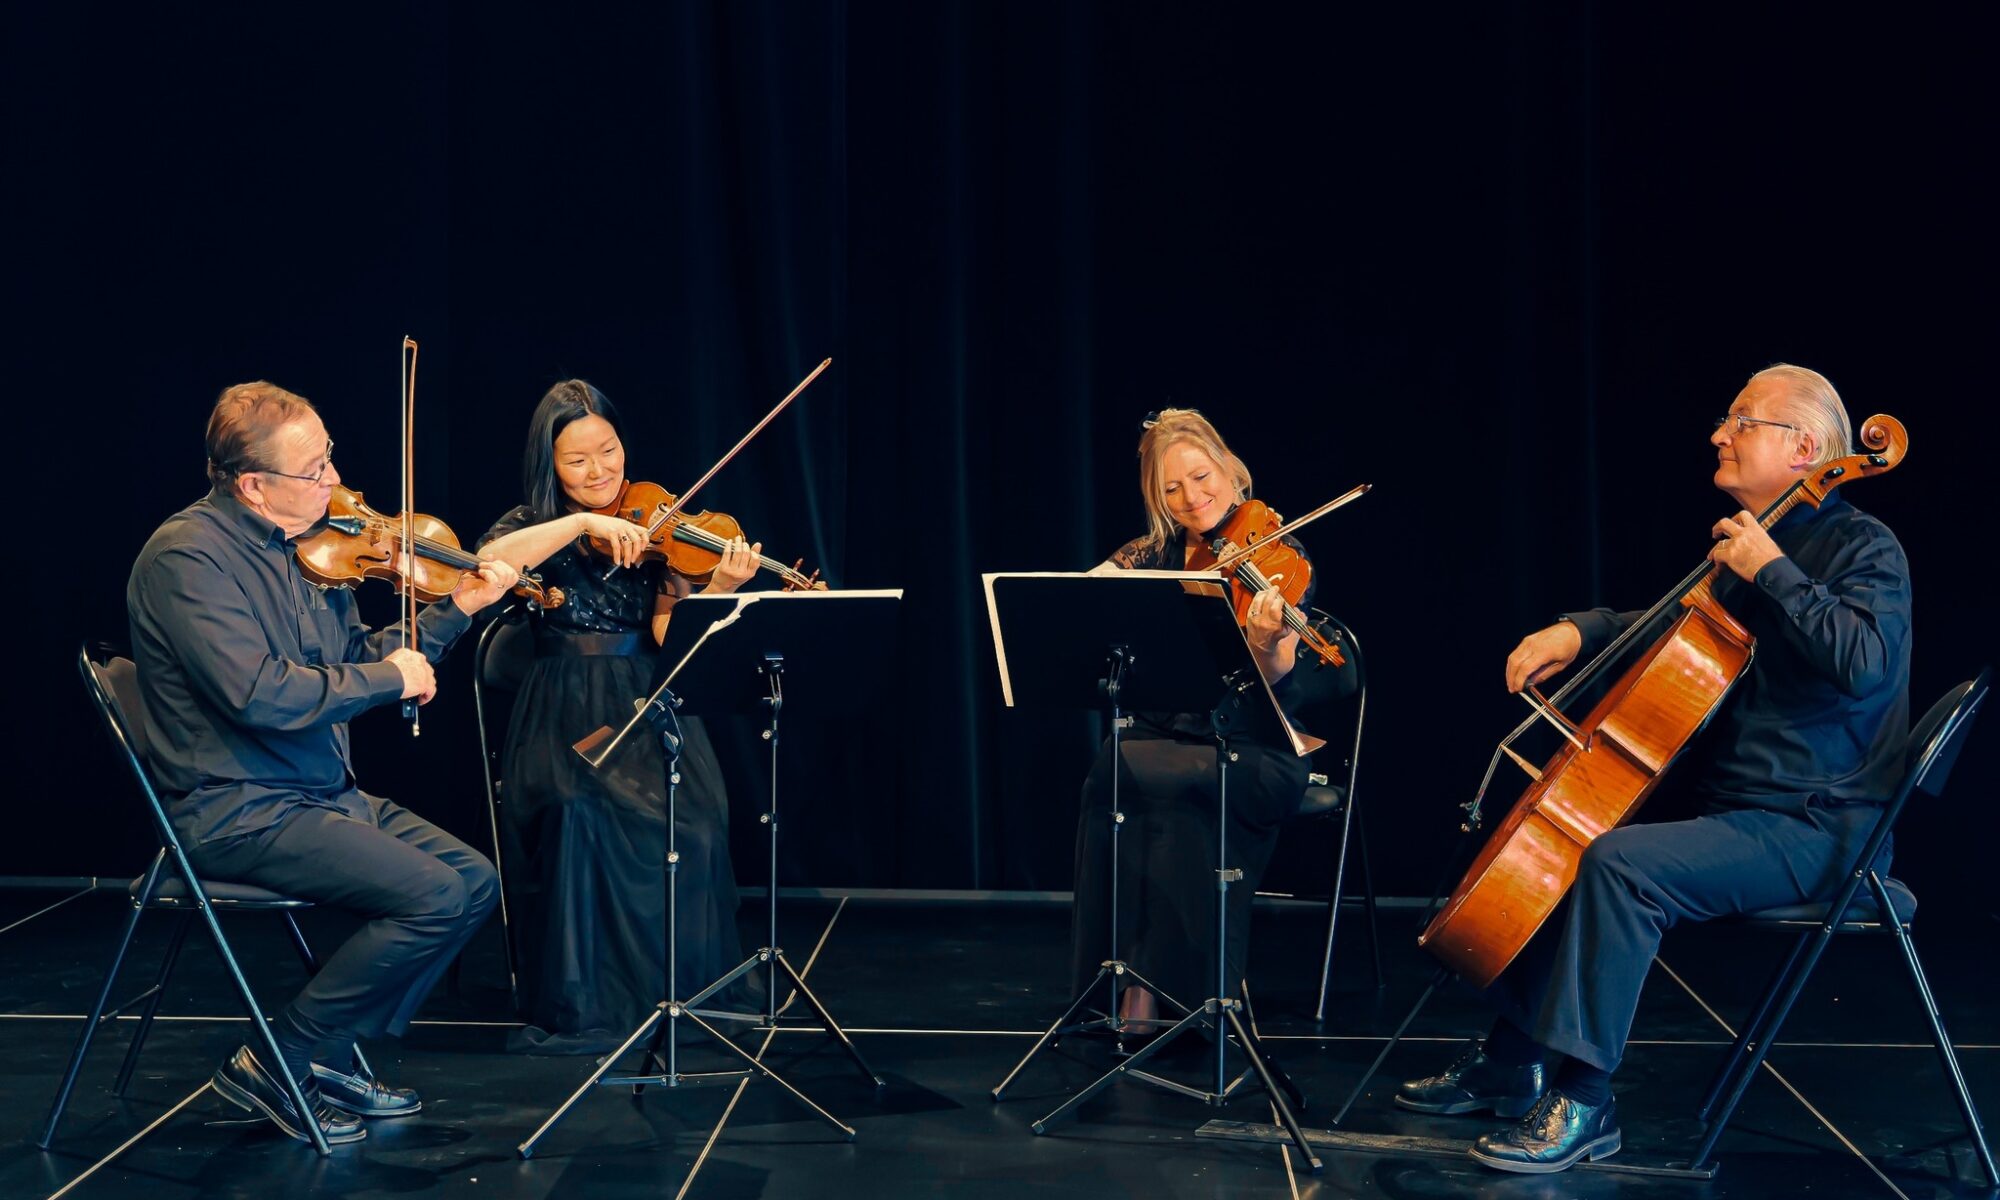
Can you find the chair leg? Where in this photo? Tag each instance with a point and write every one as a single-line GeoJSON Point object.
{"type": "Point", "coordinates": [1761, 1045]}
{"type": "Point", "coordinates": [1368, 892]}
{"type": "Point", "coordinates": [96, 1012]}
{"type": "Point", "coordinates": [360, 1065]}
{"type": "Point", "coordinates": [1946, 1054]}
{"type": "Point", "coordinates": [260, 1027]}
{"type": "Point", "coordinates": [1725, 1074]}
{"type": "Point", "coordinates": [159, 990]}
{"type": "Point", "coordinates": [1333, 908]}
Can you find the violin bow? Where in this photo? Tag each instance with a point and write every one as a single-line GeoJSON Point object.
{"type": "Point", "coordinates": [673, 510]}
{"type": "Point", "coordinates": [408, 540]}
{"type": "Point", "coordinates": [1345, 498]}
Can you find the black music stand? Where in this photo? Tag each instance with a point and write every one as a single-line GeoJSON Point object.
{"type": "Point", "coordinates": [1156, 641]}
{"type": "Point", "coordinates": [731, 654]}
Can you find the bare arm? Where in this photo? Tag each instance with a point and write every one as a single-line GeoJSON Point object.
{"type": "Point", "coordinates": [526, 548]}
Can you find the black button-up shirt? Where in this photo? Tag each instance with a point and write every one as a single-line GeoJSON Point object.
{"type": "Point", "coordinates": [1823, 712]}
{"type": "Point", "coordinates": [249, 674]}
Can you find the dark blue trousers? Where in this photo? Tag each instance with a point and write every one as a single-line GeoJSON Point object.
{"type": "Point", "coordinates": [424, 892]}
{"type": "Point", "coordinates": [1575, 987]}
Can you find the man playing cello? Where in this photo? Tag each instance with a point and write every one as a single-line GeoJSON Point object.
{"type": "Point", "coordinates": [1797, 761]}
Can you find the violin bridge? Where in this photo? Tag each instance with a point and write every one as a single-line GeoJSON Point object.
{"type": "Point", "coordinates": [1522, 763]}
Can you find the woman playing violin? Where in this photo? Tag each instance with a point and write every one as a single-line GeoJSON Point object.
{"type": "Point", "coordinates": [590, 841]}
{"type": "Point", "coordinates": [1191, 484]}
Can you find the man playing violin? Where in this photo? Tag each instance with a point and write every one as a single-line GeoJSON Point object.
{"type": "Point", "coordinates": [249, 676]}
{"type": "Point", "coordinates": [1793, 769]}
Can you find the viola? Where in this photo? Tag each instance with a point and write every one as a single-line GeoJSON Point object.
{"type": "Point", "coordinates": [1246, 548]}
{"type": "Point", "coordinates": [359, 543]}
{"type": "Point", "coordinates": [1613, 758]}
{"type": "Point", "coordinates": [690, 543]}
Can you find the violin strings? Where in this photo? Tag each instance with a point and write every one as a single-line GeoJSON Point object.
{"type": "Point", "coordinates": [709, 541]}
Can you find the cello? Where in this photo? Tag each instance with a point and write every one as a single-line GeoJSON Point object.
{"type": "Point", "coordinates": [1613, 758]}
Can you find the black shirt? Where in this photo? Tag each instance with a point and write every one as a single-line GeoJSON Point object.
{"type": "Point", "coordinates": [249, 674]}
{"type": "Point", "coordinates": [1822, 713]}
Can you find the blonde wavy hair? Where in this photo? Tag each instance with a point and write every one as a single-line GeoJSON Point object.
{"type": "Point", "coordinates": [1168, 428]}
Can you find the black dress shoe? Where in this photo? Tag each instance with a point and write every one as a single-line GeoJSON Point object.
{"type": "Point", "coordinates": [1474, 1083]}
{"type": "Point", "coordinates": [244, 1082]}
{"type": "Point", "coordinates": [362, 1096]}
{"type": "Point", "coordinates": [1554, 1134]}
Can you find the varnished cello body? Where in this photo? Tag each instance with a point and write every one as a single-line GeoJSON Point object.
{"type": "Point", "coordinates": [1619, 754]}
{"type": "Point", "coordinates": [1630, 739]}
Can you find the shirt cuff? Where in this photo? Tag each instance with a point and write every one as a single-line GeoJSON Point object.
{"type": "Point", "coordinates": [385, 682]}
{"type": "Point", "coordinates": [1594, 627]}
{"type": "Point", "coordinates": [1786, 583]}
{"type": "Point", "coordinates": [441, 624]}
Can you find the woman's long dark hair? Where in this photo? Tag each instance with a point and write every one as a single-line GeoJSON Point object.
{"type": "Point", "coordinates": [570, 400]}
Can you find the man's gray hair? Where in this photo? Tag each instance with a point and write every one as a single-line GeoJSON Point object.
{"type": "Point", "coordinates": [1815, 408]}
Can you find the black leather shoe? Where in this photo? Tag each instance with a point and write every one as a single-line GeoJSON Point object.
{"type": "Point", "coordinates": [362, 1096]}
{"type": "Point", "coordinates": [244, 1082]}
{"type": "Point", "coordinates": [1554, 1134]}
{"type": "Point", "coordinates": [1474, 1083]}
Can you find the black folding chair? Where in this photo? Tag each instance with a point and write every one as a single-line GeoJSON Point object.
{"type": "Point", "coordinates": [1885, 907]}
{"type": "Point", "coordinates": [1323, 798]}
{"type": "Point", "coordinates": [501, 660]}
{"type": "Point", "coordinates": [171, 884]}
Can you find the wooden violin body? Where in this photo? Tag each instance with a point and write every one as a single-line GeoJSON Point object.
{"type": "Point", "coordinates": [1616, 755]}
{"type": "Point", "coordinates": [359, 543]}
{"type": "Point", "coordinates": [1262, 559]}
{"type": "Point", "coordinates": [690, 543]}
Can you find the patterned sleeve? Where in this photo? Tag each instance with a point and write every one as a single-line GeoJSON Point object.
{"type": "Point", "coordinates": [1134, 556]}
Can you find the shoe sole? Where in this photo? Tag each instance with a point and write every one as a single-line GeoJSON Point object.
{"type": "Point", "coordinates": [1603, 1147]}
{"type": "Point", "coordinates": [247, 1101]}
{"type": "Point", "coordinates": [1509, 1109]}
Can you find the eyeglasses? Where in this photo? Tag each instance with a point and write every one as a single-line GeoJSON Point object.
{"type": "Point", "coordinates": [1738, 423]}
{"type": "Point", "coordinates": [325, 465]}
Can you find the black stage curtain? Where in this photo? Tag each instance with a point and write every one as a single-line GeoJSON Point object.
{"type": "Point", "coordinates": [1504, 262]}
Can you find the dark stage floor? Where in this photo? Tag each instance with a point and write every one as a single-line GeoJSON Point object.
{"type": "Point", "coordinates": [943, 998]}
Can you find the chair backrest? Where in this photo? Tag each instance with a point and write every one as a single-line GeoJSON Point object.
{"type": "Point", "coordinates": [114, 692]}
{"type": "Point", "coordinates": [1336, 631]}
{"type": "Point", "coordinates": [506, 651]}
{"type": "Point", "coordinates": [1932, 751]}
{"type": "Point", "coordinates": [1937, 739]}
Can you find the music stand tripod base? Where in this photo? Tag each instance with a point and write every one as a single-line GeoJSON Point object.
{"type": "Point", "coordinates": [714, 624]}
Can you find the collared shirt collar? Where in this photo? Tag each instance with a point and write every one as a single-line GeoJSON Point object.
{"type": "Point", "coordinates": [1803, 513]}
{"type": "Point", "coordinates": [256, 529]}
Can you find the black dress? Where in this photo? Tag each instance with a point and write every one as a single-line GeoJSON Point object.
{"type": "Point", "coordinates": [1166, 847]}
{"type": "Point", "coordinates": [586, 845]}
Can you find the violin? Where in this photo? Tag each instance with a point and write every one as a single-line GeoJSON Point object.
{"type": "Point", "coordinates": [690, 543]}
{"type": "Point", "coordinates": [1247, 551]}
{"type": "Point", "coordinates": [359, 543]}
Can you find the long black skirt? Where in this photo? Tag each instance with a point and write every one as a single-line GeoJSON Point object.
{"type": "Point", "coordinates": [1167, 860]}
{"type": "Point", "coordinates": [585, 868]}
